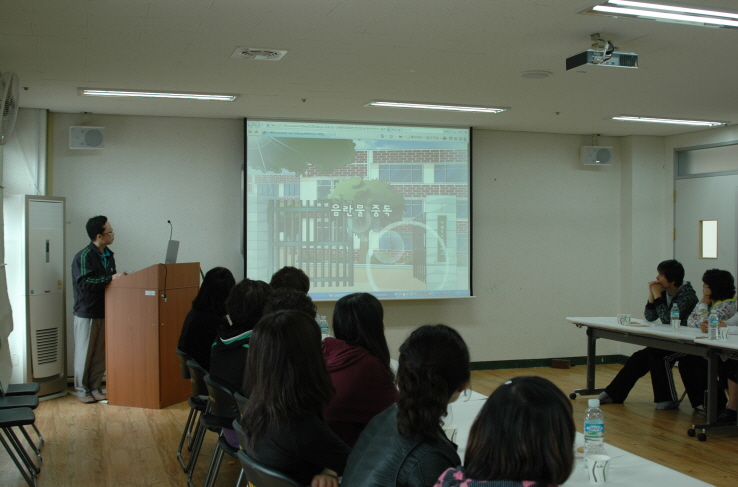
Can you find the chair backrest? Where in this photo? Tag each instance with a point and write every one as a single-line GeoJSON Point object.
{"type": "Point", "coordinates": [222, 403]}
{"type": "Point", "coordinates": [260, 475]}
{"type": "Point", "coordinates": [241, 401]}
{"type": "Point", "coordinates": [183, 358]}
{"type": "Point", "coordinates": [197, 377]}
{"type": "Point", "coordinates": [242, 440]}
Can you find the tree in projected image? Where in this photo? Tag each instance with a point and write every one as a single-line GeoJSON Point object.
{"type": "Point", "coordinates": [277, 154]}
{"type": "Point", "coordinates": [375, 197]}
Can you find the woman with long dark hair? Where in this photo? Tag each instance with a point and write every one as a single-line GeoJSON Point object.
{"type": "Point", "coordinates": [207, 314]}
{"type": "Point", "coordinates": [290, 387]}
{"type": "Point", "coordinates": [358, 361]}
{"type": "Point", "coordinates": [523, 436]}
{"type": "Point", "coordinates": [404, 446]}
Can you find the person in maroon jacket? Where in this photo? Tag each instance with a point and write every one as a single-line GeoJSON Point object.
{"type": "Point", "coordinates": [358, 361]}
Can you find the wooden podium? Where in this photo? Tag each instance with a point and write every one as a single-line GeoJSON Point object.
{"type": "Point", "coordinates": [142, 331]}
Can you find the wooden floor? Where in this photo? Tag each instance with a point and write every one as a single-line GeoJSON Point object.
{"type": "Point", "coordinates": [104, 445]}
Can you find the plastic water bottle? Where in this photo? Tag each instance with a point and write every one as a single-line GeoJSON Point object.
{"type": "Point", "coordinates": [674, 318]}
{"type": "Point", "coordinates": [594, 429]}
{"type": "Point", "coordinates": [323, 323]}
{"type": "Point", "coordinates": [712, 326]}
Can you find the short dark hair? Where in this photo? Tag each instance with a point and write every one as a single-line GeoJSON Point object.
{"type": "Point", "coordinates": [288, 299]}
{"type": "Point", "coordinates": [286, 372]}
{"type": "Point", "coordinates": [524, 431]}
{"type": "Point", "coordinates": [672, 270]}
{"type": "Point", "coordinates": [214, 290]}
{"type": "Point", "coordinates": [358, 319]}
{"type": "Point", "coordinates": [434, 363]}
{"type": "Point", "coordinates": [292, 278]}
{"type": "Point", "coordinates": [721, 284]}
{"type": "Point", "coordinates": [96, 226]}
{"type": "Point", "coordinates": [245, 304]}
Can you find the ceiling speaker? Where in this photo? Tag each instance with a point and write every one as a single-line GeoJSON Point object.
{"type": "Point", "coordinates": [596, 156]}
{"type": "Point", "coordinates": [86, 137]}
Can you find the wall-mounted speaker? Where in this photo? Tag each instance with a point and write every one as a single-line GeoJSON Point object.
{"type": "Point", "coordinates": [86, 137]}
{"type": "Point", "coordinates": [596, 156]}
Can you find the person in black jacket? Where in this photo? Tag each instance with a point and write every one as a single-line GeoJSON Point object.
{"type": "Point", "coordinates": [405, 446]}
{"type": "Point", "coordinates": [208, 313]}
{"type": "Point", "coordinates": [668, 290]}
{"type": "Point", "coordinates": [92, 270]}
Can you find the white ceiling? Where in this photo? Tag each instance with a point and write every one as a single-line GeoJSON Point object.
{"type": "Point", "coordinates": [342, 54]}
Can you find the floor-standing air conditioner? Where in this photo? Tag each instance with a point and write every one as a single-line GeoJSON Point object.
{"type": "Point", "coordinates": [34, 252]}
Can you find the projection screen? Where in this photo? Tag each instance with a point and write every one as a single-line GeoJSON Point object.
{"type": "Point", "coordinates": [383, 209]}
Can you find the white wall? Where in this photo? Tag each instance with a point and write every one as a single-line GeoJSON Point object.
{"type": "Point", "coordinates": [153, 169]}
{"type": "Point", "coordinates": [547, 244]}
{"type": "Point", "coordinates": [704, 137]}
{"type": "Point", "coordinates": [551, 237]}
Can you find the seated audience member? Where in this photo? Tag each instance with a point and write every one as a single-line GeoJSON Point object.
{"type": "Point", "coordinates": [404, 445]}
{"type": "Point", "coordinates": [523, 436]}
{"type": "Point", "coordinates": [728, 369]}
{"type": "Point", "coordinates": [290, 386]}
{"type": "Point", "coordinates": [286, 299]}
{"type": "Point", "coordinates": [718, 296]}
{"type": "Point", "coordinates": [289, 277]}
{"type": "Point", "coordinates": [207, 314]}
{"type": "Point", "coordinates": [358, 361]}
{"type": "Point", "coordinates": [245, 307]}
{"type": "Point", "coordinates": [668, 289]}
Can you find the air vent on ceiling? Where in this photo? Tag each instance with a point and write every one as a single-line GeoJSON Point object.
{"type": "Point", "coordinates": [258, 54]}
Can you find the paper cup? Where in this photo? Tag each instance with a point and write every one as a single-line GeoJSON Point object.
{"type": "Point", "coordinates": [597, 468]}
{"type": "Point", "coordinates": [723, 333]}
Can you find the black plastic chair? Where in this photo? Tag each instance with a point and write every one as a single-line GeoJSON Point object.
{"type": "Point", "coordinates": [207, 421]}
{"type": "Point", "coordinates": [240, 433]}
{"type": "Point", "coordinates": [241, 401]}
{"type": "Point", "coordinates": [24, 401]}
{"type": "Point", "coordinates": [197, 407]}
{"type": "Point", "coordinates": [23, 389]}
{"type": "Point", "coordinates": [224, 409]}
{"type": "Point", "coordinates": [260, 475]}
{"type": "Point", "coordinates": [18, 418]}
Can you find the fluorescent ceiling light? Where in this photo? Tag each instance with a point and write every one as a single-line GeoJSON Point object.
{"type": "Point", "coordinates": [668, 13]}
{"type": "Point", "coordinates": [430, 106]}
{"type": "Point", "coordinates": [694, 123]}
{"type": "Point", "coordinates": [156, 94]}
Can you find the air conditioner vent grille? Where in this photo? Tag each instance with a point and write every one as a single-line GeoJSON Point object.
{"type": "Point", "coordinates": [47, 345]}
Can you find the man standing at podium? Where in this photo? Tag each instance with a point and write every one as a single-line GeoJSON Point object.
{"type": "Point", "coordinates": [92, 270]}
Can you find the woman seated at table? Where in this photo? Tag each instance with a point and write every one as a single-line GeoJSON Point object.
{"type": "Point", "coordinates": [404, 446]}
{"type": "Point", "coordinates": [207, 314]}
{"type": "Point", "coordinates": [358, 361]}
{"type": "Point", "coordinates": [523, 436]}
{"type": "Point", "coordinates": [718, 296]}
{"type": "Point", "coordinates": [290, 386]}
{"type": "Point", "coordinates": [728, 371]}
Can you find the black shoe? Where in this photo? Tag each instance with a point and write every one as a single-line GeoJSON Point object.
{"type": "Point", "coordinates": [728, 416]}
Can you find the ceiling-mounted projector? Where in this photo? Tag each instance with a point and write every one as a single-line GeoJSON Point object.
{"type": "Point", "coordinates": [602, 53]}
{"type": "Point", "coordinates": [595, 57]}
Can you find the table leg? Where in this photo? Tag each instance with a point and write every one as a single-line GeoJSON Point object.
{"type": "Point", "coordinates": [591, 362]}
{"type": "Point", "coordinates": [711, 406]}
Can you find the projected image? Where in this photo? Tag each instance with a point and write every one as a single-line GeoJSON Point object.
{"type": "Point", "coordinates": [374, 208]}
